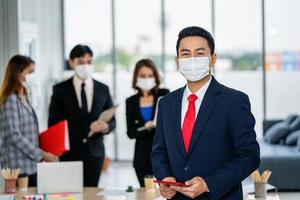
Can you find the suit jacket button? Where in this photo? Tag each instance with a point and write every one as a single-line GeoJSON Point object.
{"type": "Point", "coordinates": [136, 121]}
{"type": "Point", "coordinates": [84, 140]}
{"type": "Point", "coordinates": [186, 168]}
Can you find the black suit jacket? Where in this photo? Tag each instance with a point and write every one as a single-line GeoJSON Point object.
{"type": "Point", "coordinates": [64, 105]}
{"type": "Point", "coordinates": [144, 139]}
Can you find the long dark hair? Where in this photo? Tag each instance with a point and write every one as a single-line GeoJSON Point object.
{"type": "Point", "coordinates": [145, 63]}
{"type": "Point", "coordinates": [11, 83]}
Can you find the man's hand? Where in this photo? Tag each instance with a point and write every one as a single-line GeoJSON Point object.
{"type": "Point", "coordinates": [49, 157]}
{"type": "Point", "coordinates": [99, 126]}
{"type": "Point", "coordinates": [195, 187]}
{"type": "Point", "coordinates": [165, 190]}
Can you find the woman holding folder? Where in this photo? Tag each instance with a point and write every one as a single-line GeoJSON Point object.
{"type": "Point", "coordinates": [140, 114]}
{"type": "Point", "coordinates": [18, 122]}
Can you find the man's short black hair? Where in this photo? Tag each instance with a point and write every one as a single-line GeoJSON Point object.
{"type": "Point", "coordinates": [79, 51]}
{"type": "Point", "coordinates": [196, 31]}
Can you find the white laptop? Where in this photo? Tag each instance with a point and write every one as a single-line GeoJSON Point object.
{"type": "Point", "coordinates": [60, 177]}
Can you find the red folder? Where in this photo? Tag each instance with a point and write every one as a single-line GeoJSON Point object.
{"type": "Point", "coordinates": [55, 139]}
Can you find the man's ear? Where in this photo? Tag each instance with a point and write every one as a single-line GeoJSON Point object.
{"type": "Point", "coordinates": [213, 60]}
{"type": "Point", "coordinates": [73, 63]}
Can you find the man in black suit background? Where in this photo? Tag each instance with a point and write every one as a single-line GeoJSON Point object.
{"type": "Point", "coordinates": [80, 100]}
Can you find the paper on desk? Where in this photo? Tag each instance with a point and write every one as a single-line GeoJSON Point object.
{"type": "Point", "coordinates": [252, 197]}
{"type": "Point", "coordinates": [106, 116]}
{"type": "Point", "coordinates": [7, 197]}
{"type": "Point", "coordinates": [113, 194]}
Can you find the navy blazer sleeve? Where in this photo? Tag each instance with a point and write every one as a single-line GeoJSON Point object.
{"type": "Point", "coordinates": [246, 150]}
{"type": "Point", "coordinates": [160, 164]}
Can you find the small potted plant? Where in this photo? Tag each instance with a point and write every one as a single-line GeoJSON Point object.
{"type": "Point", "coordinates": [130, 193]}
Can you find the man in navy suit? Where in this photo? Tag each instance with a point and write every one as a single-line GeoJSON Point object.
{"type": "Point", "coordinates": [205, 131]}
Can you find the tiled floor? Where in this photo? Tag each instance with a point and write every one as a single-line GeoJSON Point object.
{"type": "Point", "coordinates": [121, 174]}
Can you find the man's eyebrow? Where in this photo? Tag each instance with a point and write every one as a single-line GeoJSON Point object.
{"type": "Point", "coordinates": [184, 50]}
{"type": "Point", "coordinates": [200, 49]}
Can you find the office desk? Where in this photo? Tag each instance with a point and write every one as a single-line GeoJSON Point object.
{"type": "Point", "coordinates": [90, 193]}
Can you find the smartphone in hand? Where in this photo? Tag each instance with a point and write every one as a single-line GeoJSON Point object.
{"type": "Point", "coordinates": [180, 184]}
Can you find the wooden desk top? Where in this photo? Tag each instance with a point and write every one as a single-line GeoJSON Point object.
{"type": "Point", "coordinates": [90, 193]}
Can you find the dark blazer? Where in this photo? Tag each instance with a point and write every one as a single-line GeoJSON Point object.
{"type": "Point", "coordinates": [144, 139]}
{"type": "Point", "coordinates": [223, 148]}
{"type": "Point", "coordinates": [64, 105]}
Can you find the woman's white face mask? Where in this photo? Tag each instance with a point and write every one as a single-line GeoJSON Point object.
{"type": "Point", "coordinates": [30, 82]}
{"type": "Point", "coordinates": [83, 71]}
{"type": "Point", "coordinates": [194, 68]}
{"type": "Point", "coordinates": [146, 84]}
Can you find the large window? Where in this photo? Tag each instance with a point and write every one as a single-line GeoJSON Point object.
{"type": "Point", "coordinates": [138, 36]}
{"type": "Point", "coordinates": [149, 29]}
{"type": "Point", "coordinates": [238, 46]}
{"type": "Point", "coordinates": [178, 15]}
{"type": "Point", "coordinates": [88, 22]}
{"type": "Point", "coordinates": [282, 58]}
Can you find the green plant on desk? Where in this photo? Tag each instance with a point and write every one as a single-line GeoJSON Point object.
{"type": "Point", "coordinates": [129, 189]}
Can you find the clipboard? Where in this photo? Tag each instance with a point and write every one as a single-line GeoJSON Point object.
{"type": "Point", "coordinates": [153, 125]}
{"type": "Point", "coordinates": [106, 116]}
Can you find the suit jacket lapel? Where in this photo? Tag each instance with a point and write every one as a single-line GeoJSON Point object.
{"type": "Point", "coordinates": [209, 101]}
{"type": "Point", "coordinates": [32, 112]}
{"type": "Point", "coordinates": [176, 108]}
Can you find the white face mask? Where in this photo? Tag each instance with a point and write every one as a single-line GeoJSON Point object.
{"type": "Point", "coordinates": [146, 83]}
{"type": "Point", "coordinates": [30, 82]}
{"type": "Point", "coordinates": [83, 71]}
{"type": "Point", "coordinates": [194, 68]}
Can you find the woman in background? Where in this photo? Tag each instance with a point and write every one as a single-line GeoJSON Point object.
{"type": "Point", "coordinates": [18, 122]}
{"type": "Point", "coordinates": [140, 111]}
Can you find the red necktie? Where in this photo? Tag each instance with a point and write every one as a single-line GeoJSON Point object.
{"type": "Point", "coordinates": [189, 121]}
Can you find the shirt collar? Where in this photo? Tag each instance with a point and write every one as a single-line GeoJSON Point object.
{"type": "Point", "coordinates": [200, 93]}
{"type": "Point", "coordinates": [77, 81]}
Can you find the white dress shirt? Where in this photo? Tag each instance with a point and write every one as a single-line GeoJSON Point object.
{"type": "Point", "coordinates": [185, 102]}
{"type": "Point", "coordinates": [88, 88]}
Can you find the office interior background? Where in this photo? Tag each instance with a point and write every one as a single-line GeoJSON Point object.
{"type": "Point", "coordinates": [257, 42]}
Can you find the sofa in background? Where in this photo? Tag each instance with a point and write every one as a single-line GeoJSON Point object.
{"type": "Point", "coordinates": [282, 159]}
